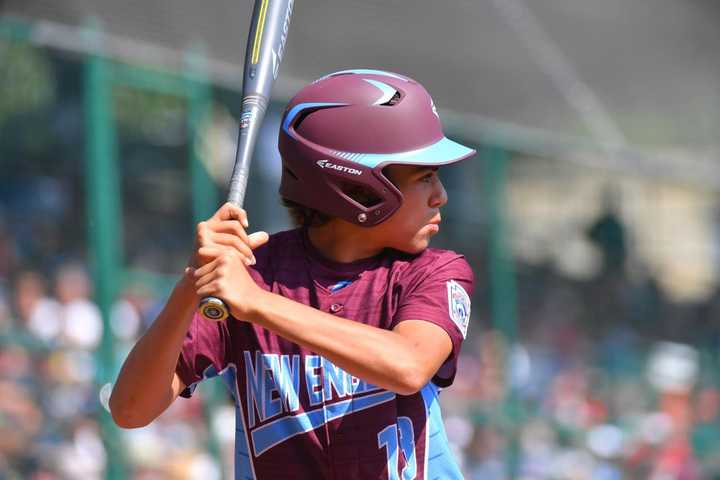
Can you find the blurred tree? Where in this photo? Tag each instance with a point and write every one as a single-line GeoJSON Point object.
{"type": "Point", "coordinates": [26, 80]}
{"type": "Point", "coordinates": [150, 116]}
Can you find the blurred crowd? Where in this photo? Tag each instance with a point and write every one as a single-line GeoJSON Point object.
{"type": "Point", "coordinates": [53, 410]}
{"type": "Point", "coordinates": [606, 379]}
{"type": "Point", "coordinates": [602, 379]}
{"type": "Point", "coordinates": [565, 403]}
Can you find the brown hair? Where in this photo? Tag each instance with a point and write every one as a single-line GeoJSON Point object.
{"type": "Point", "coordinates": [302, 216]}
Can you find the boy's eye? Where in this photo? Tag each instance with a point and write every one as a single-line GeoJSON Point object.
{"type": "Point", "coordinates": [427, 178]}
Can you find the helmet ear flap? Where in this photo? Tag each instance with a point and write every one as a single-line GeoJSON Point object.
{"type": "Point", "coordinates": [366, 206]}
{"type": "Point", "coordinates": [390, 197]}
{"type": "Point", "coordinates": [360, 194]}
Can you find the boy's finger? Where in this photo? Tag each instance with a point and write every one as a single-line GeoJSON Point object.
{"type": "Point", "coordinates": [205, 279]}
{"type": "Point", "coordinates": [232, 227]}
{"type": "Point", "coordinates": [205, 269]}
{"type": "Point", "coordinates": [230, 211]}
{"type": "Point", "coordinates": [256, 239]}
{"type": "Point", "coordinates": [234, 242]}
{"type": "Point", "coordinates": [207, 254]}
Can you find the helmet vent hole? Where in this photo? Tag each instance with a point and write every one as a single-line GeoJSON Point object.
{"type": "Point", "coordinates": [360, 194]}
{"type": "Point", "coordinates": [302, 117]}
{"type": "Point", "coordinates": [395, 99]}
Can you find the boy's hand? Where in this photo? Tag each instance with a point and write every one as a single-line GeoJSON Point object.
{"type": "Point", "coordinates": [222, 251]}
{"type": "Point", "coordinates": [225, 230]}
{"type": "Point", "coordinates": [226, 277]}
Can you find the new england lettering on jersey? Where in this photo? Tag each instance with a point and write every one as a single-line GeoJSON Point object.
{"type": "Point", "coordinates": [273, 387]}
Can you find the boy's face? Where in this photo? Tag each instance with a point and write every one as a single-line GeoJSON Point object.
{"type": "Point", "coordinates": [409, 229]}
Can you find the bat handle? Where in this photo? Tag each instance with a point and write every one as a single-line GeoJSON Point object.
{"type": "Point", "coordinates": [213, 308]}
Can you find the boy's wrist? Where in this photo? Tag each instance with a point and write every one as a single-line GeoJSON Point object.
{"type": "Point", "coordinates": [187, 283]}
{"type": "Point", "coordinates": [253, 310]}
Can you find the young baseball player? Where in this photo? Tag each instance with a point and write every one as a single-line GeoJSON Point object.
{"type": "Point", "coordinates": [342, 331]}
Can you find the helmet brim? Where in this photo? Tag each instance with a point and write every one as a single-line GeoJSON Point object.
{"type": "Point", "coordinates": [442, 152]}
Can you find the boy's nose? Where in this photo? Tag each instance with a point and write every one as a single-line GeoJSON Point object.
{"type": "Point", "coordinates": [439, 196]}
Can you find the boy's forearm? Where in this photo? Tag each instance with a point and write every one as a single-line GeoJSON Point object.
{"type": "Point", "coordinates": [381, 357]}
{"type": "Point", "coordinates": [144, 388]}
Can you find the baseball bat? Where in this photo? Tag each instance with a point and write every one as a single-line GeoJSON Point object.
{"type": "Point", "coordinates": [266, 44]}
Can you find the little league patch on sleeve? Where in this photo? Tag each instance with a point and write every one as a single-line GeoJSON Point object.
{"type": "Point", "coordinates": [459, 306]}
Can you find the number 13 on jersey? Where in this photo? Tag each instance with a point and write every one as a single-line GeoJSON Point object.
{"type": "Point", "coordinates": [400, 434]}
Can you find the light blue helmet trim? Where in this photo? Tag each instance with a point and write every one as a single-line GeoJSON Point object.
{"type": "Point", "coordinates": [295, 111]}
{"type": "Point", "coordinates": [364, 71]}
{"type": "Point", "coordinates": [444, 151]}
{"type": "Point", "coordinates": [387, 91]}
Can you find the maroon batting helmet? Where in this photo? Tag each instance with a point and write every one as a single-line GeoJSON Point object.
{"type": "Point", "coordinates": [339, 132]}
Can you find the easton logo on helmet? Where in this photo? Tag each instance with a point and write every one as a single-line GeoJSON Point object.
{"type": "Point", "coordinates": [339, 168]}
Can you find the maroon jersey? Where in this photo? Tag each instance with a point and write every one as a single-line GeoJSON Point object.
{"type": "Point", "coordinates": [298, 416]}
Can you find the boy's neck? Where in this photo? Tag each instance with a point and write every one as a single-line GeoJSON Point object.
{"type": "Point", "coordinates": [343, 242]}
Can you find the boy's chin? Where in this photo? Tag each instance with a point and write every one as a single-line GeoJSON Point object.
{"type": "Point", "coordinates": [414, 248]}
